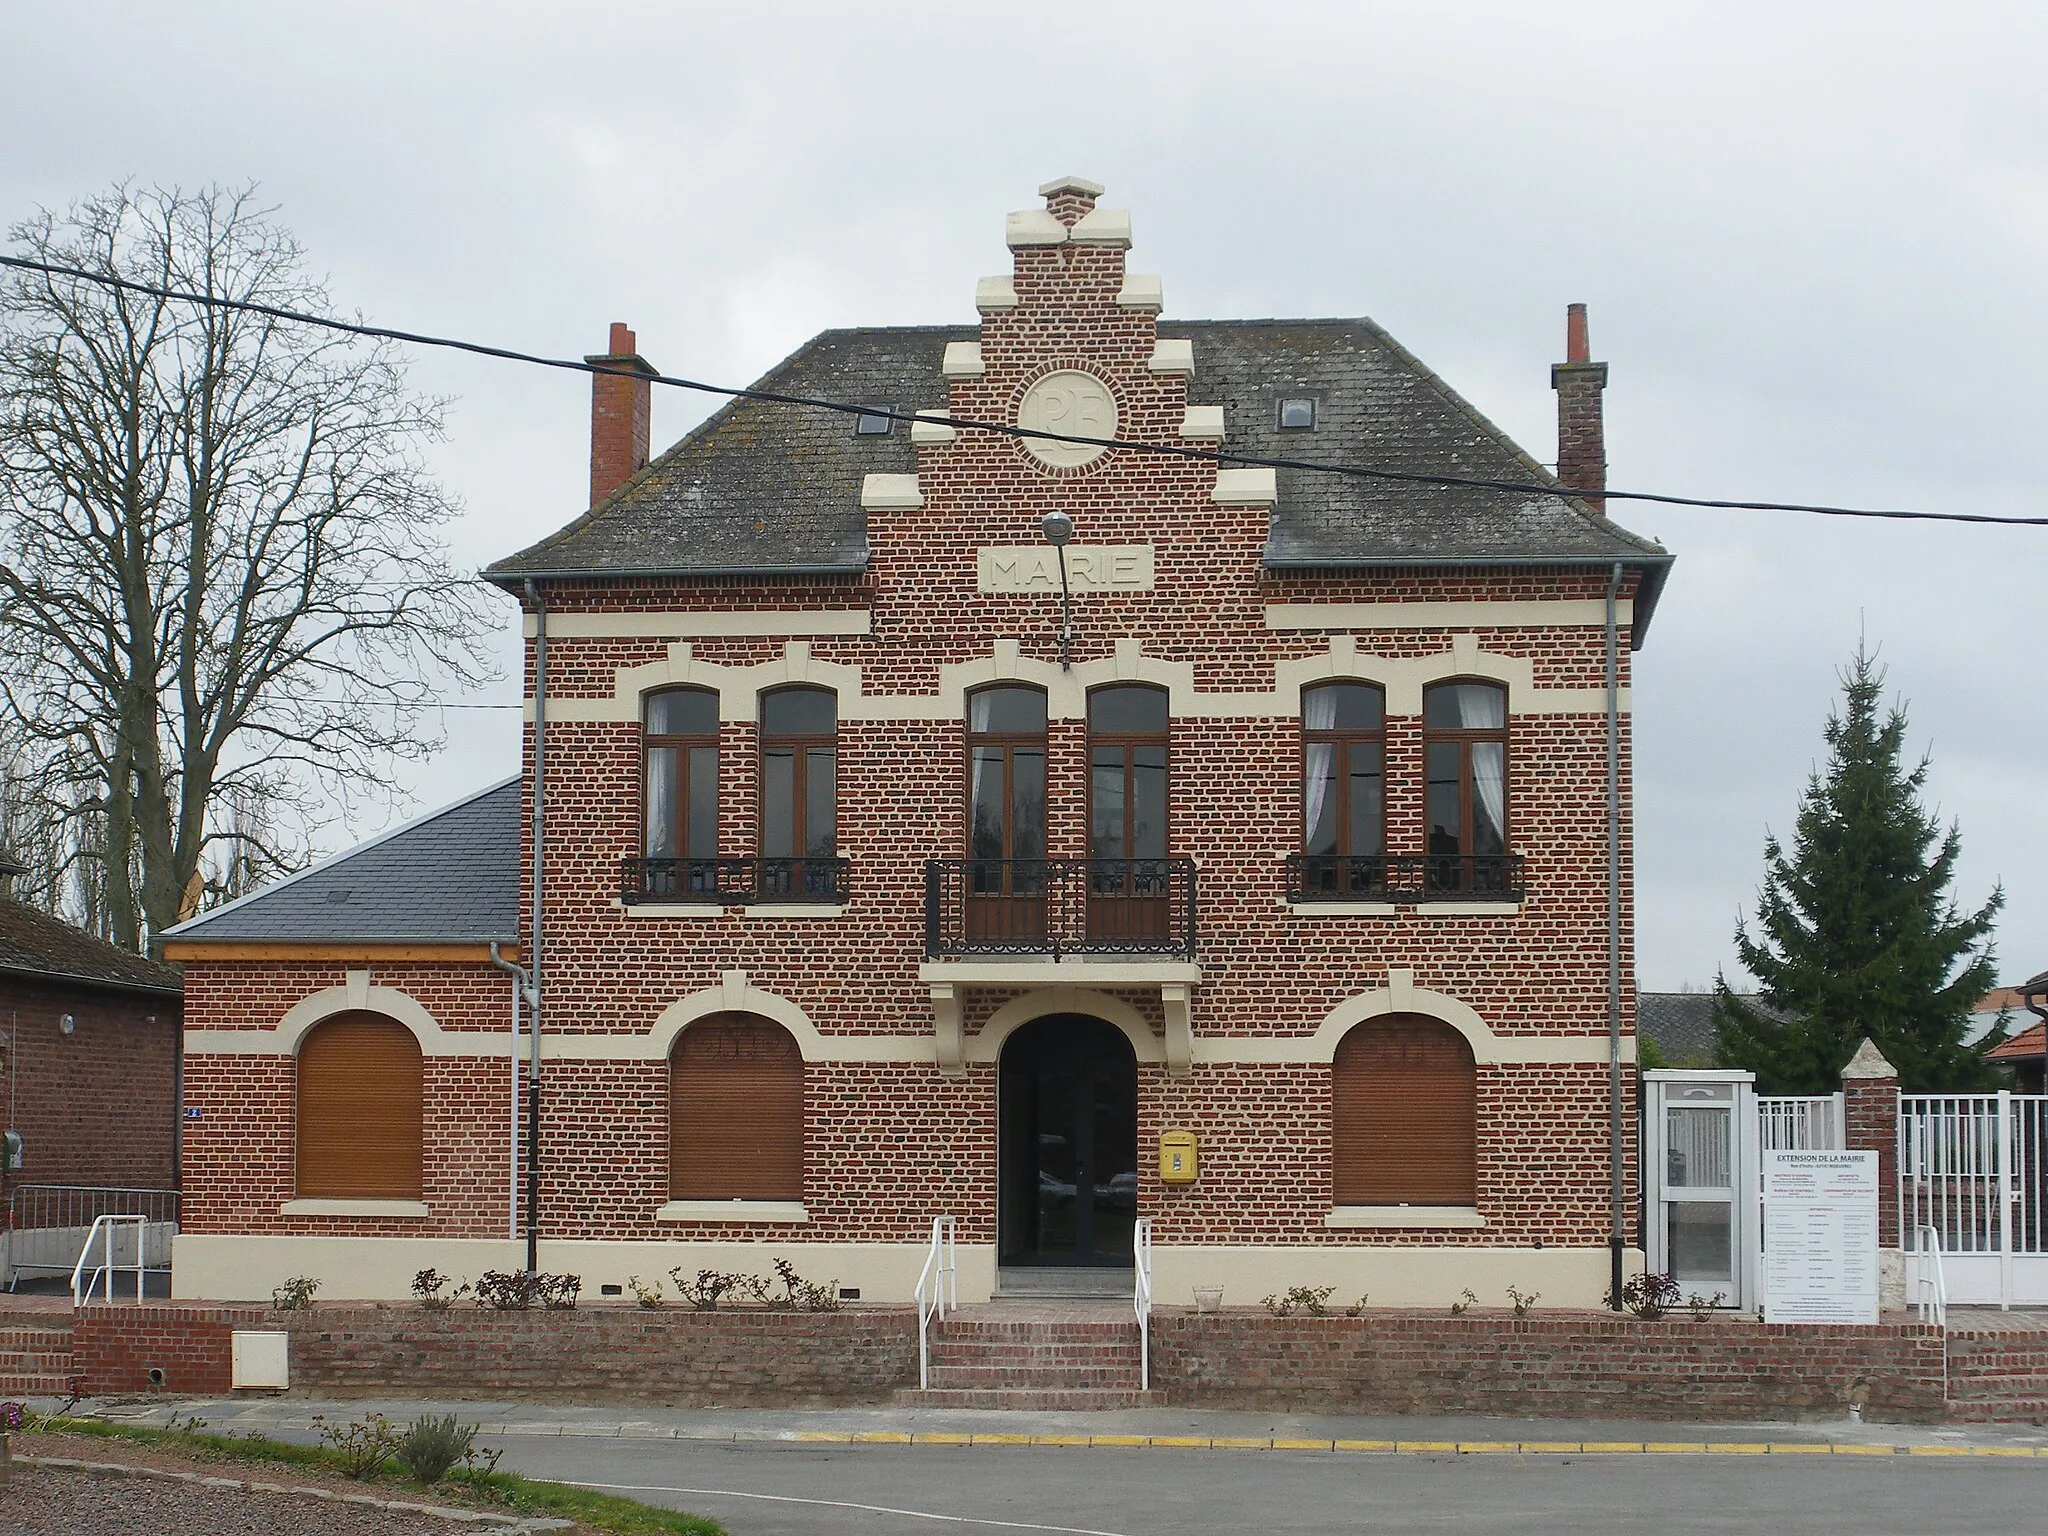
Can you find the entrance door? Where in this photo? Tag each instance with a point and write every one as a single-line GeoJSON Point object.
{"type": "Point", "coordinates": [1069, 1143]}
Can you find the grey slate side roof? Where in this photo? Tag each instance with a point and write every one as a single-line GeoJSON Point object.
{"type": "Point", "coordinates": [764, 488]}
{"type": "Point", "coordinates": [37, 945]}
{"type": "Point", "coordinates": [1681, 1024]}
{"type": "Point", "coordinates": [451, 876]}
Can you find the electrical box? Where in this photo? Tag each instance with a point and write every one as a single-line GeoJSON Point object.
{"type": "Point", "coordinates": [1176, 1157]}
{"type": "Point", "coordinates": [259, 1360]}
{"type": "Point", "coordinates": [13, 1155]}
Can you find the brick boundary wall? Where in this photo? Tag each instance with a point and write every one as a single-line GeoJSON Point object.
{"type": "Point", "coordinates": [1570, 1367]}
{"type": "Point", "coordinates": [1576, 1366]}
{"type": "Point", "coordinates": [733, 1359]}
{"type": "Point", "coordinates": [116, 1347]}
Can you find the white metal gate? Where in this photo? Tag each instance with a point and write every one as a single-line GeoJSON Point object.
{"type": "Point", "coordinates": [1974, 1168]}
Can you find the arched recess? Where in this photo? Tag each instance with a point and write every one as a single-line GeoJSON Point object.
{"type": "Point", "coordinates": [359, 1110]}
{"type": "Point", "coordinates": [735, 995]}
{"type": "Point", "coordinates": [1403, 996]}
{"type": "Point", "coordinates": [358, 995]}
{"type": "Point", "coordinates": [987, 1043]}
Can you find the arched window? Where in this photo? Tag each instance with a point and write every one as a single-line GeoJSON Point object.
{"type": "Point", "coordinates": [1403, 1113]}
{"type": "Point", "coordinates": [1343, 791]}
{"type": "Point", "coordinates": [1465, 806]}
{"type": "Point", "coordinates": [359, 1110]}
{"type": "Point", "coordinates": [799, 794]}
{"type": "Point", "coordinates": [1127, 874]}
{"type": "Point", "coordinates": [735, 1111]}
{"type": "Point", "coordinates": [679, 788]}
{"type": "Point", "coordinates": [1005, 896]}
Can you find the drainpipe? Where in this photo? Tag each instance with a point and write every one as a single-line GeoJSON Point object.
{"type": "Point", "coordinates": [1614, 1169]}
{"type": "Point", "coordinates": [540, 766]}
{"type": "Point", "coordinates": [522, 990]}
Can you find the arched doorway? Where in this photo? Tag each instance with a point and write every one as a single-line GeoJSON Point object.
{"type": "Point", "coordinates": [1069, 1143]}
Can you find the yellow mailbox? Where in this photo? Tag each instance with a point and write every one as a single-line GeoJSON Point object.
{"type": "Point", "coordinates": [1176, 1157]}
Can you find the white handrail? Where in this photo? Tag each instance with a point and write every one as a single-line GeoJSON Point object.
{"type": "Point", "coordinates": [1932, 1283]}
{"type": "Point", "coordinates": [107, 1224]}
{"type": "Point", "coordinates": [1141, 1297]}
{"type": "Point", "coordinates": [938, 1290]}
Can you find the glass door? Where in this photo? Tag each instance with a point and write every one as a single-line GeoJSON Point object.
{"type": "Point", "coordinates": [1069, 1093]}
{"type": "Point", "coordinates": [1701, 1178]}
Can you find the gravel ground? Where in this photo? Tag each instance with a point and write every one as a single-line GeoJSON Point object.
{"type": "Point", "coordinates": [48, 1501]}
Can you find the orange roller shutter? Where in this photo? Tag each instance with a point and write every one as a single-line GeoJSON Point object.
{"type": "Point", "coordinates": [1404, 1123]}
{"type": "Point", "coordinates": [736, 1112]}
{"type": "Point", "coordinates": [359, 1110]}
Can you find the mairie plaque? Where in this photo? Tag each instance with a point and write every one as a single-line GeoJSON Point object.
{"type": "Point", "coordinates": [1090, 568]}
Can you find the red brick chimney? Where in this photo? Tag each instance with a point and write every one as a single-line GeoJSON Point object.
{"type": "Point", "coordinates": [1581, 440]}
{"type": "Point", "coordinates": [619, 410]}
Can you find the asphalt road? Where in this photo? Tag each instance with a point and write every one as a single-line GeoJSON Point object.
{"type": "Point", "coordinates": [772, 1490]}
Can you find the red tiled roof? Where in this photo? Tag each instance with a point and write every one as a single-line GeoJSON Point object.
{"type": "Point", "coordinates": [2026, 1044]}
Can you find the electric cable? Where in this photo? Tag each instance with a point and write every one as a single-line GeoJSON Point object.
{"type": "Point", "coordinates": [1005, 429]}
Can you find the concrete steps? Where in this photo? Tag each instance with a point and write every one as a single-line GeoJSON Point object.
{"type": "Point", "coordinates": [37, 1362]}
{"type": "Point", "coordinates": [1078, 1361]}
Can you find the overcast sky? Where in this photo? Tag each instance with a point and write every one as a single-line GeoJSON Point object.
{"type": "Point", "coordinates": [1812, 238]}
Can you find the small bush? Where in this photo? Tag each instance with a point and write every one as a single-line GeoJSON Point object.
{"type": "Point", "coordinates": [499, 1290]}
{"type": "Point", "coordinates": [798, 1294]}
{"type": "Point", "coordinates": [431, 1287]}
{"type": "Point", "coordinates": [646, 1292]}
{"type": "Point", "coordinates": [431, 1446]}
{"type": "Point", "coordinates": [1312, 1299]}
{"type": "Point", "coordinates": [1357, 1308]}
{"type": "Point", "coordinates": [295, 1295]}
{"type": "Point", "coordinates": [1465, 1302]}
{"type": "Point", "coordinates": [558, 1293]}
{"type": "Point", "coordinates": [1703, 1306]}
{"type": "Point", "coordinates": [711, 1286]}
{"type": "Point", "coordinates": [363, 1446]}
{"type": "Point", "coordinates": [1523, 1303]}
{"type": "Point", "coordinates": [1648, 1296]}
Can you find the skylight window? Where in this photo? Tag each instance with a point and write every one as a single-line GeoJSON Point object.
{"type": "Point", "coordinates": [873, 423]}
{"type": "Point", "coordinates": [1298, 414]}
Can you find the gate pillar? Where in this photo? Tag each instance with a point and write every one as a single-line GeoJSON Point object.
{"type": "Point", "coordinates": [1870, 1123]}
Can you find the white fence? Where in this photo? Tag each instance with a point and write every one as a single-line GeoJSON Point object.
{"type": "Point", "coordinates": [1801, 1125]}
{"type": "Point", "coordinates": [1973, 1167]}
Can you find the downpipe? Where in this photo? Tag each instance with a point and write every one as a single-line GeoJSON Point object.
{"type": "Point", "coordinates": [533, 984]}
{"type": "Point", "coordinates": [1616, 1214]}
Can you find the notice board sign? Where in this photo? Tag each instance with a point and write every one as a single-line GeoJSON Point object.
{"type": "Point", "coordinates": [1820, 1237]}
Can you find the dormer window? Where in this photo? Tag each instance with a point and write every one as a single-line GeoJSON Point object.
{"type": "Point", "coordinates": [1298, 414]}
{"type": "Point", "coordinates": [873, 422]}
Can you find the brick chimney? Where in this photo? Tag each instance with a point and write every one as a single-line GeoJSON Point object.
{"type": "Point", "coordinates": [1581, 440]}
{"type": "Point", "coordinates": [619, 411]}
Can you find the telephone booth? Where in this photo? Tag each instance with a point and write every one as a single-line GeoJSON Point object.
{"type": "Point", "coordinates": [1700, 1189]}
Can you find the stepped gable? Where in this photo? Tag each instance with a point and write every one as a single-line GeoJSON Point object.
{"type": "Point", "coordinates": [451, 876]}
{"type": "Point", "coordinates": [766, 489]}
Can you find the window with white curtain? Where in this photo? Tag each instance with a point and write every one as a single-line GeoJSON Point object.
{"type": "Point", "coordinates": [1465, 754]}
{"type": "Point", "coordinates": [1343, 750]}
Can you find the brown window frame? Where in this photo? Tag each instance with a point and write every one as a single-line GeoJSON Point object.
{"type": "Point", "coordinates": [683, 744]}
{"type": "Point", "coordinates": [716, 1172]}
{"type": "Point", "coordinates": [1127, 742]}
{"type": "Point", "coordinates": [1418, 1122]}
{"type": "Point", "coordinates": [342, 1181]}
{"type": "Point", "coordinates": [1009, 742]}
{"type": "Point", "coordinates": [1343, 740]}
{"type": "Point", "coordinates": [801, 745]}
{"type": "Point", "coordinates": [1464, 738]}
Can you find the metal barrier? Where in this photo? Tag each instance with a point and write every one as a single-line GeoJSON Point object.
{"type": "Point", "coordinates": [938, 1291]}
{"type": "Point", "coordinates": [1141, 1297]}
{"type": "Point", "coordinates": [48, 1225]}
{"type": "Point", "coordinates": [1973, 1168]}
{"type": "Point", "coordinates": [1802, 1124]}
{"type": "Point", "coordinates": [107, 1225]}
{"type": "Point", "coordinates": [1059, 907]}
{"type": "Point", "coordinates": [1931, 1282]}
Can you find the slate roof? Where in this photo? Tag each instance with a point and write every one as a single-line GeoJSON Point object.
{"type": "Point", "coordinates": [764, 488]}
{"type": "Point", "coordinates": [451, 876]}
{"type": "Point", "coordinates": [1681, 1024]}
{"type": "Point", "coordinates": [36, 944]}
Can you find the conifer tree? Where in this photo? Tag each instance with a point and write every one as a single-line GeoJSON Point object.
{"type": "Point", "coordinates": [1856, 930]}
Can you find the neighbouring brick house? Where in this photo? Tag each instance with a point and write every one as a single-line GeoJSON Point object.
{"type": "Point", "coordinates": [89, 1055]}
{"type": "Point", "coordinates": [869, 896]}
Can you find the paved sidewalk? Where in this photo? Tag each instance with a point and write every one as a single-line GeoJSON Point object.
{"type": "Point", "coordinates": [292, 1417]}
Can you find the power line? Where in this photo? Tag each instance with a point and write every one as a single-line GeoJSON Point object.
{"type": "Point", "coordinates": [1169, 450]}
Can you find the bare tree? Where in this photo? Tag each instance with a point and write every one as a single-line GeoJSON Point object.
{"type": "Point", "coordinates": [223, 596]}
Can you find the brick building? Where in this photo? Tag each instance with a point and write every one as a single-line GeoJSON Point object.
{"type": "Point", "coordinates": [875, 887]}
{"type": "Point", "coordinates": [89, 1046]}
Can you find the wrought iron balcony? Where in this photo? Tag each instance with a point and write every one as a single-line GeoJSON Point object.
{"type": "Point", "coordinates": [732, 882]}
{"type": "Point", "coordinates": [1405, 877]}
{"type": "Point", "coordinates": [1059, 907]}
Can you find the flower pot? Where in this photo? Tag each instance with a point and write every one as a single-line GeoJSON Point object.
{"type": "Point", "coordinates": [1208, 1298]}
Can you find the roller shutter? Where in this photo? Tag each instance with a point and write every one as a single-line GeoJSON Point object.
{"type": "Point", "coordinates": [736, 1112]}
{"type": "Point", "coordinates": [359, 1110]}
{"type": "Point", "coordinates": [1404, 1117]}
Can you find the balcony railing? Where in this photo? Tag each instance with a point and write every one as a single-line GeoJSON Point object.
{"type": "Point", "coordinates": [1059, 907]}
{"type": "Point", "coordinates": [1404, 877]}
{"type": "Point", "coordinates": [732, 882]}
